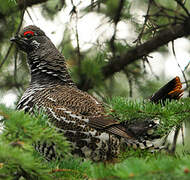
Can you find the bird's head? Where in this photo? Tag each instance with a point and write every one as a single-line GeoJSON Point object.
{"type": "Point", "coordinates": [42, 56]}
{"type": "Point", "coordinates": [30, 38]}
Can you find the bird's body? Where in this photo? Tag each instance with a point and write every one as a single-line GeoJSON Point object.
{"type": "Point", "coordinates": [69, 109]}
{"type": "Point", "coordinates": [77, 114]}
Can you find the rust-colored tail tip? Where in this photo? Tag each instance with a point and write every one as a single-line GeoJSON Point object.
{"type": "Point", "coordinates": [176, 92]}
{"type": "Point", "coordinates": [178, 82]}
{"type": "Point", "coordinates": [171, 90]}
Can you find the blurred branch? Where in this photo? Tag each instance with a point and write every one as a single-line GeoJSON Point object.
{"type": "Point", "coordinates": [21, 5]}
{"type": "Point", "coordinates": [75, 12]}
{"type": "Point", "coordinates": [130, 82]}
{"type": "Point", "coordinates": [6, 56]}
{"type": "Point", "coordinates": [116, 20]}
{"type": "Point", "coordinates": [30, 16]}
{"type": "Point", "coordinates": [10, 47]}
{"type": "Point", "coordinates": [182, 71]}
{"type": "Point", "coordinates": [15, 65]}
{"type": "Point", "coordinates": [165, 10]}
{"type": "Point", "coordinates": [168, 34]}
{"type": "Point", "coordinates": [27, 3]}
{"type": "Point", "coordinates": [183, 6]}
{"type": "Point", "coordinates": [78, 43]}
{"type": "Point", "coordinates": [138, 40]}
{"type": "Point", "coordinates": [95, 4]}
{"type": "Point", "coordinates": [21, 20]}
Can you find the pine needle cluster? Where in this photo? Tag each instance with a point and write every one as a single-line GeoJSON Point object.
{"type": "Point", "coordinates": [169, 115]}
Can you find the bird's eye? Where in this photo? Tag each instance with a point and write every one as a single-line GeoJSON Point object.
{"type": "Point", "coordinates": [28, 34]}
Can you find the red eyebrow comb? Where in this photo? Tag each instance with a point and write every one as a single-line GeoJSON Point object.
{"type": "Point", "coordinates": [28, 32]}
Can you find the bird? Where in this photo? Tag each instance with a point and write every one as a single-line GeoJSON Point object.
{"type": "Point", "coordinates": [81, 117]}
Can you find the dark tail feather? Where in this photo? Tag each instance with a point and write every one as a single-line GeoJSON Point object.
{"type": "Point", "coordinates": [172, 90]}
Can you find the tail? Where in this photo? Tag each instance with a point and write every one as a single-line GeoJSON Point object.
{"type": "Point", "coordinates": [172, 90]}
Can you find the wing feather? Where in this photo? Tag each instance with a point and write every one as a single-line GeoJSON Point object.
{"type": "Point", "coordinates": [108, 124]}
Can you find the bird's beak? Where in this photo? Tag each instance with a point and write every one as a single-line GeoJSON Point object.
{"type": "Point", "coordinates": [14, 39]}
{"type": "Point", "coordinates": [18, 40]}
{"type": "Point", "coordinates": [21, 43]}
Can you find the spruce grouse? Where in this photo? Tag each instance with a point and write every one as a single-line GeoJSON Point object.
{"type": "Point", "coordinates": [77, 114]}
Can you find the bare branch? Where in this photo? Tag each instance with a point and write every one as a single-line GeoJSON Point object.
{"type": "Point", "coordinates": [169, 34]}
{"type": "Point", "coordinates": [130, 82]}
{"type": "Point", "coordinates": [30, 16]}
{"type": "Point", "coordinates": [138, 40]}
{"type": "Point", "coordinates": [116, 20]}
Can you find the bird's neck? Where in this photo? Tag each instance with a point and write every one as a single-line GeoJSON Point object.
{"type": "Point", "coordinates": [48, 69]}
{"type": "Point", "coordinates": [43, 79]}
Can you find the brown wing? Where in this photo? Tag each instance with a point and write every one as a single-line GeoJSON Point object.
{"type": "Point", "coordinates": [74, 104]}
{"type": "Point", "coordinates": [108, 124]}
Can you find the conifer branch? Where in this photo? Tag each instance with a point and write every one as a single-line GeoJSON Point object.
{"type": "Point", "coordinates": [165, 36]}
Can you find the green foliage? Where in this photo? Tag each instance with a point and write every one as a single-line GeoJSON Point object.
{"type": "Point", "coordinates": [170, 115]}
{"type": "Point", "coordinates": [6, 5]}
{"type": "Point", "coordinates": [21, 131]}
{"type": "Point", "coordinates": [92, 68]}
{"type": "Point", "coordinates": [111, 8]}
{"type": "Point", "coordinates": [171, 4]}
{"type": "Point", "coordinates": [66, 46]}
{"type": "Point", "coordinates": [24, 127]}
{"type": "Point", "coordinates": [16, 162]}
{"type": "Point", "coordinates": [153, 167]}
